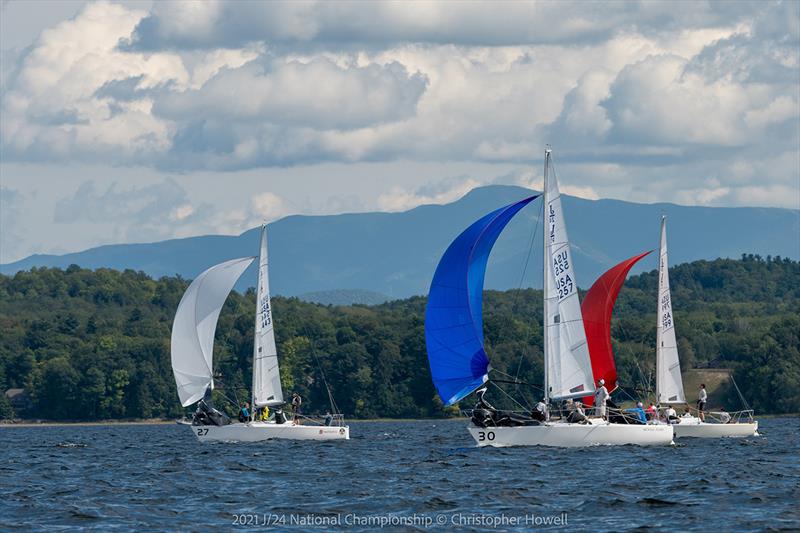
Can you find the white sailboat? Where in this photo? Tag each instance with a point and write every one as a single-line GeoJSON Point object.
{"type": "Point", "coordinates": [669, 383]}
{"type": "Point", "coordinates": [192, 346]}
{"type": "Point", "coordinates": [454, 336]}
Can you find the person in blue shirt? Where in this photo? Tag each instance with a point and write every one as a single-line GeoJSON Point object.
{"type": "Point", "coordinates": [244, 412]}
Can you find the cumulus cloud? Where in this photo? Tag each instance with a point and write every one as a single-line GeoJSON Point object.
{"type": "Point", "coordinates": [317, 93]}
{"type": "Point", "coordinates": [441, 192]}
{"type": "Point", "coordinates": [641, 98]}
{"type": "Point", "coordinates": [213, 23]}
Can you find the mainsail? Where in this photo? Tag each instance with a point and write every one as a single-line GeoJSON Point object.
{"type": "Point", "coordinates": [454, 316]}
{"type": "Point", "coordinates": [266, 376]}
{"type": "Point", "coordinates": [669, 385]}
{"type": "Point", "coordinates": [193, 329]}
{"type": "Point", "coordinates": [597, 309]}
{"type": "Point", "coordinates": [568, 369]}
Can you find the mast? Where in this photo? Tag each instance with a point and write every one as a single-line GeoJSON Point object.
{"type": "Point", "coordinates": [545, 288]}
{"type": "Point", "coordinates": [659, 329]}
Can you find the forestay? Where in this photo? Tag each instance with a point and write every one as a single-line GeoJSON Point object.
{"type": "Point", "coordinates": [669, 385]}
{"type": "Point", "coordinates": [266, 375]}
{"type": "Point", "coordinates": [454, 317]}
{"type": "Point", "coordinates": [193, 329]}
{"type": "Point", "coordinates": [567, 364]}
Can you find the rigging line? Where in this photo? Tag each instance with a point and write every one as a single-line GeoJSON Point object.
{"type": "Point", "coordinates": [237, 404]}
{"type": "Point", "coordinates": [524, 399]}
{"type": "Point", "coordinates": [334, 407]}
{"type": "Point", "coordinates": [522, 277]}
{"type": "Point", "coordinates": [741, 396]}
{"type": "Point", "coordinates": [510, 397]}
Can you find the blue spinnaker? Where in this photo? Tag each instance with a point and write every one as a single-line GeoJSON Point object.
{"type": "Point", "coordinates": [454, 318]}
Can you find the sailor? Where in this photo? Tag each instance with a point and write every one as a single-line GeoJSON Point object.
{"type": "Point", "coordinates": [576, 415]}
{"type": "Point", "coordinates": [600, 398]}
{"type": "Point", "coordinates": [540, 411]}
{"type": "Point", "coordinates": [328, 418]}
{"type": "Point", "coordinates": [264, 413]}
{"type": "Point", "coordinates": [244, 412]}
{"type": "Point", "coordinates": [702, 397]}
{"type": "Point", "coordinates": [672, 416]}
{"type": "Point", "coordinates": [724, 417]}
{"type": "Point", "coordinates": [297, 401]}
{"type": "Point", "coordinates": [651, 412]}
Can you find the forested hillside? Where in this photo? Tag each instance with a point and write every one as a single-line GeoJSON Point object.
{"type": "Point", "coordinates": [95, 344]}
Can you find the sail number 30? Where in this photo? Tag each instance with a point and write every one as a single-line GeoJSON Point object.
{"type": "Point", "coordinates": [485, 435]}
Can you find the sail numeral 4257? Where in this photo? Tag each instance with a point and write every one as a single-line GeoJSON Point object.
{"type": "Point", "coordinates": [565, 286]}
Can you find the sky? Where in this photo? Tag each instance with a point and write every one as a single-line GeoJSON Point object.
{"type": "Point", "coordinates": [139, 121]}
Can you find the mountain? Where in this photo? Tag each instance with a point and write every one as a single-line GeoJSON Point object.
{"type": "Point", "coordinates": [396, 253]}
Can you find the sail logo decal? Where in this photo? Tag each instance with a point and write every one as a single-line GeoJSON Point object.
{"type": "Point", "coordinates": [579, 388]}
{"type": "Point", "coordinates": [266, 317]}
{"type": "Point", "coordinates": [551, 219]}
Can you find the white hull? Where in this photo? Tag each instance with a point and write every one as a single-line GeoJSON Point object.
{"type": "Point", "coordinates": [566, 435]}
{"type": "Point", "coordinates": [261, 431]}
{"type": "Point", "coordinates": [706, 430]}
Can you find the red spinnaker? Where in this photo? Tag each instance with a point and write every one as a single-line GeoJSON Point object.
{"type": "Point", "coordinates": [597, 309]}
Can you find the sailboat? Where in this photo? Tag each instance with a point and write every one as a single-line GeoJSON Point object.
{"type": "Point", "coordinates": [192, 347]}
{"type": "Point", "coordinates": [669, 383]}
{"type": "Point", "coordinates": [455, 344]}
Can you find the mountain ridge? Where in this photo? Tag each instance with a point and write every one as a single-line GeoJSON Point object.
{"type": "Point", "coordinates": [395, 253]}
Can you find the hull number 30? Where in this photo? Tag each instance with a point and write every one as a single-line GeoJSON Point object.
{"type": "Point", "coordinates": [485, 435]}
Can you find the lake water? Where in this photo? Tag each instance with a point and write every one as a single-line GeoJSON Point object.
{"type": "Point", "coordinates": [402, 475]}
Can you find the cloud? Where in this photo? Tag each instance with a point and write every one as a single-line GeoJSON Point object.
{"type": "Point", "coordinates": [372, 25]}
{"type": "Point", "coordinates": [11, 202]}
{"type": "Point", "coordinates": [317, 94]}
{"type": "Point", "coordinates": [440, 192]}
{"type": "Point", "coordinates": [640, 99]}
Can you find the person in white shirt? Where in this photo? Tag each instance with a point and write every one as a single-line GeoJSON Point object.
{"type": "Point", "coordinates": [724, 417]}
{"type": "Point", "coordinates": [540, 412]}
{"type": "Point", "coordinates": [702, 397]}
{"type": "Point", "coordinates": [671, 415]}
{"type": "Point", "coordinates": [600, 398]}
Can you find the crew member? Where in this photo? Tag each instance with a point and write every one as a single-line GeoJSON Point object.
{"type": "Point", "coordinates": [297, 401]}
{"type": "Point", "coordinates": [702, 398]}
{"type": "Point", "coordinates": [600, 398]}
{"type": "Point", "coordinates": [540, 411]}
{"type": "Point", "coordinates": [244, 412]}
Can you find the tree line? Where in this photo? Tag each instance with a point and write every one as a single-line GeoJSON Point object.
{"type": "Point", "coordinates": [89, 345]}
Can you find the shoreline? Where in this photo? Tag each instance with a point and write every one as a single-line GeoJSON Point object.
{"type": "Point", "coordinates": [166, 422]}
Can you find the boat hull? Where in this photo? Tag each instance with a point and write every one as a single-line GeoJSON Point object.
{"type": "Point", "coordinates": [705, 430]}
{"type": "Point", "coordinates": [261, 431]}
{"type": "Point", "coordinates": [565, 435]}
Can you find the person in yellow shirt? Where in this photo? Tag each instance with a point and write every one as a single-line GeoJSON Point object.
{"type": "Point", "coordinates": [264, 413]}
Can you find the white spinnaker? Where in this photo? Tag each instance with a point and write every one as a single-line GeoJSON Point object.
{"type": "Point", "coordinates": [193, 329]}
{"type": "Point", "coordinates": [266, 375]}
{"type": "Point", "coordinates": [567, 363]}
{"type": "Point", "coordinates": [669, 385]}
